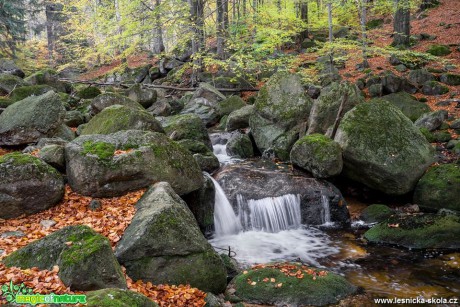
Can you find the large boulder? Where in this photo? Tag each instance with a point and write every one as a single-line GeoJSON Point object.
{"type": "Point", "coordinates": [48, 77]}
{"type": "Point", "coordinates": [105, 100]}
{"type": "Point", "coordinates": [205, 104]}
{"type": "Point", "coordinates": [291, 284]}
{"type": "Point", "coordinates": [164, 245]}
{"type": "Point", "coordinates": [28, 120]}
{"type": "Point", "coordinates": [422, 231]}
{"type": "Point", "coordinates": [434, 88]}
{"type": "Point", "coordinates": [230, 104]}
{"type": "Point", "coordinates": [186, 126]}
{"type": "Point", "coordinates": [27, 185]}
{"type": "Point", "coordinates": [410, 106]}
{"type": "Point", "coordinates": [113, 297]}
{"type": "Point", "coordinates": [239, 119]}
{"type": "Point", "coordinates": [117, 118]}
{"type": "Point", "coordinates": [318, 154]}
{"type": "Point", "coordinates": [9, 82]}
{"type": "Point", "coordinates": [382, 148]}
{"type": "Point", "coordinates": [240, 145]}
{"type": "Point", "coordinates": [439, 188]}
{"type": "Point", "coordinates": [206, 159]}
{"type": "Point", "coordinates": [334, 98]}
{"type": "Point", "coordinates": [281, 109]}
{"type": "Point", "coordinates": [450, 79]}
{"type": "Point", "coordinates": [23, 92]}
{"type": "Point", "coordinates": [85, 258]}
{"type": "Point", "coordinates": [8, 66]}
{"type": "Point", "coordinates": [254, 182]}
{"type": "Point", "coordinates": [432, 120]}
{"type": "Point", "coordinates": [145, 97]}
{"type": "Point", "coordinates": [110, 165]}
{"type": "Point", "coordinates": [420, 76]}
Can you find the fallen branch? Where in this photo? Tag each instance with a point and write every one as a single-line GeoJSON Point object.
{"type": "Point", "coordinates": [168, 87]}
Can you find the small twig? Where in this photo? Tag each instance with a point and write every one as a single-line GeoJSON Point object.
{"type": "Point", "coordinates": [8, 96]}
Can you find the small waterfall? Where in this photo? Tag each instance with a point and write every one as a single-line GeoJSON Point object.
{"type": "Point", "coordinates": [271, 214]}
{"type": "Point", "coordinates": [325, 210]}
{"type": "Point", "coordinates": [225, 220]}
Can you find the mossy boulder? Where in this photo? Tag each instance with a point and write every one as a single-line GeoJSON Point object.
{"type": "Point", "coordinates": [113, 297]}
{"type": "Point", "coordinates": [23, 92]}
{"type": "Point", "coordinates": [117, 118]}
{"type": "Point", "coordinates": [376, 213]}
{"type": "Point", "coordinates": [9, 82]}
{"type": "Point", "coordinates": [5, 102]}
{"type": "Point", "coordinates": [439, 50]}
{"type": "Point", "coordinates": [239, 119]}
{"type": "Point", "coordinates": [85, 258]}
{"type": "Point", "coordinates": [434, 88]}
{"type": "Point", "coordinates": [28, 120]}
{"type": "Point", "coordinates": [428, 135]}
{"type": "Point", "coordinates": [204, 103]}
{"type": "Point", "coordinates": [423, 231]}
{"type": "Point", "coordinates": [88, 92]}
{"type": "Point", "coordinates": [408, 105]}
{"type": "Point", "coordinates": [281, 108]}
{"type": "Point", "coordinates": [240, 145]}
{"type": "Point", "coordinates": [230, 104]}
{"type": "Point", "coordinates": [318, 154]}
{"type": "Point", "coordinates": [95, 169]}
{"type": "Point", "coordinates": [164, 245]}
{"type": "Point", "coordinates": [8, 66]}
{"type": "Point", "coordinates": [442, 136]}
{"type": "Point", "coordinates": [267, 284]}
{"type": "Point", "coordinates": [144, 96]}
{"type": "Point", "coordinates": [74, 118]}
{"type": "Point", "coordinates": [186, 126]}
{"type": "Point", "coordinates": [205, 158]}
{"type": "Point", "coordinates": [391, 162]}
{"type": "Point", "coordinates": [324, 111]}
{"type": "Point", "coordinates": [432, 120]}
{"type": "Point", "coordinates": [450, 79]}
{"type": "Point", "coordinates": [420, 76]}
{"type": "Point", "coordinates": [439, 188]}
{"type": "Point", "coordinates": [27, 185]}
{"type": "Point", "coordinates": [48, 77]}
{"type": "Point", "coordinates": [54, 155]}
{"type": "Point", "coordinates": [106, 100]}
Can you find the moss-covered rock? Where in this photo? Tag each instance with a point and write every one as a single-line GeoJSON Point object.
{"type": "Point", "coordinates": [5, 102]}
{"type": "Point", "coordinates": [432, 120]}
{"type": "Point", "coordinates": [27, 185]}
{"type": "Point", "coordinates": [376, 213]}
{"type": "Point", "coordinates": [428, 135]}
{"type": "Point", "coordinates": [382, 148]}
{"type": "Point", "coordinates": [9, 82]}
{"type": "Point", "coordinates": [439, 188]}
{"type": "Point", "coordinates": [33, 118]}
{"type": "Point", "coordinates": [324, 112]}
{"type": "Point", "coordinates": [240, 145]}
{"type": "Point", "coordinates": [95, 169]}
{"type": "Point", "coordinates": [239, 119]}
{"type": "Point", "coordinates": [230, 104]}
{"type": "Point", "coordinates": [420, 76]}
{"type": "Point", "coordinates": [450, 79]}
{"type": "Point", "coordinates": [74, 118]}
{"type": "Point", "coordinates": [418, 231]}
{"type": "Point", "coordinates": [117, 118]}
{"type": "Point", "coordinates": [410, 106]}
{"type": "Point", "coordinates": [106, 100]}
{"type": "Point", "coordinates": [113, 297]}
{"type": "Point", "coordinates": [8, 66]}
{"type": "Point", "coordinates": [318, 154]}
{"type": "Point", "coordinates": [85, 258]}
{"type": "Point", "coordinates": [186, 126]}
{"type": "Point", "coordinates": [23, 92]}
{"type": "Point", "coordinates": [163, 244]}
{"type": "Point", "coordinates": [88, 92]}
{"type": "Point", "coordinates": [205, 158]}
{"type": "Point", "coordinates": [48, 77]}
{"type": "Point", "coordinates": [442, 136]}
{"type": "Point", "coordinates": [439, 50]}
{"type": "Point", "coordinates": [145, 97]}
{"type": "Point", "coordinates": [54, 155]}
{"type": "Point", "coordinates": [433, 88]}
{"type": "Point", "coordinates": [309, 286]}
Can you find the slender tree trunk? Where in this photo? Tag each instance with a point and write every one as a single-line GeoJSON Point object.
{"type": "Point", "coordinates": [329, 13]}
{"type": "Point", "coordinates": [119, 28]}
{"type": "Point", "coordinates": [158, 43]}
{"type": "Point", "coordinates": [304, 17]}
{"type": "Point", "coordinates": [364, 32]}
{"type": "Point", "coordinates": [197, 20]}
{"type": "Point", "coordinates": [401, 25]}
{"type": "Point", "coordinates": [49, 11]}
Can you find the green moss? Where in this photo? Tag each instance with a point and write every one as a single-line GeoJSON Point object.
{"type": "Point", "coordinates": [103, 150]}
{"type": "Point", "coordinates": [289, 289]}
{"type": "Point", "coordinates": [84, 246]}
{"type": "Point", "coordinates": [440, 89]}
{"type": "Point", "coordinates": [427, 134]}
{"type": "Point", "coordinates": [421, 231]}
{"type": "Point", "coordinates": [229, 105]}
{"type": "Point", "coordinates": [439, 50]}
{"type": "Point", "coordinates": [5, 102]}
{"type": "Point", "coordinates": [442, 136]}
{"type": "Point", "coordinates": [88, 92]}
{"type": "Point", "coordinates": [23, 92]}
{"type": "Point", "coordinates": [19, 159]}
{"type": "Point", "coordinates": [117, 298]}
{"type": "Point", "coordinates": [376, 213]}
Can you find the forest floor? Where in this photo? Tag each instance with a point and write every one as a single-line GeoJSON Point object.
{"type": "Point", "coordinates": [116, 213]}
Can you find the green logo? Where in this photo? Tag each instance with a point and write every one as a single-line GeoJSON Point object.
{"type": "Point", "coordinates": [23, 295]}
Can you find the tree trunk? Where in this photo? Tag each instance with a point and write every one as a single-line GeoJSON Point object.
{"type": "Point", "coordinates": [401, 25]}
{"type": "Point", "coordinates": [329, 13]}
{"type": "Point", "coordinates": [304, 17]}
{"type": "Point", "coordinates": [197, 20]}
{"type": "Point", "coordinates": [158, 44]}
{"type": "Point", "coordinates": [364, 32]}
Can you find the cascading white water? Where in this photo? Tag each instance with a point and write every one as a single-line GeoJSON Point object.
{"type": "Point", "coordinates": [220, 151]}
{"type": "Point", "coordinates": [325, 210]}
{"type": "Point", "coordinates": [225, 220]}
{"type": "Point", "coordinates": [271, 214]}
